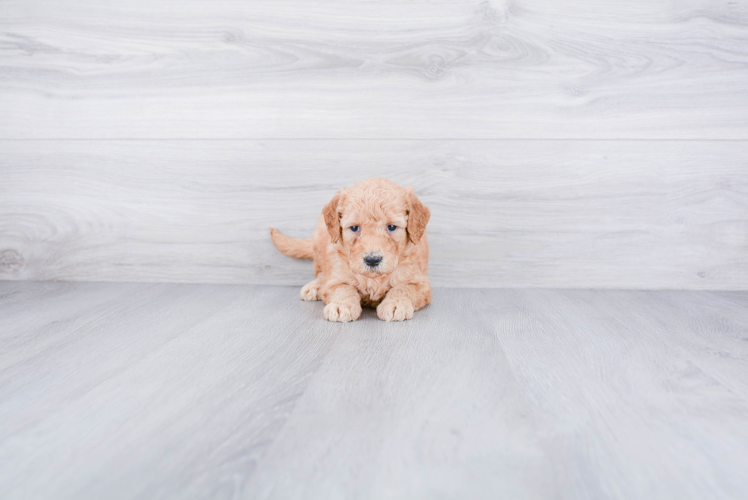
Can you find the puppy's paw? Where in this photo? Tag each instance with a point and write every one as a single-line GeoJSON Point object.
{"type": "Point", "coordinates": [310, 291]}
{"type": "Point", "coordinates": [342, 311]}
{"type": "Point", "coordinates": [397, 309]}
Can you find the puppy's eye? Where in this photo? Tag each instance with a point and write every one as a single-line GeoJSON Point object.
{"type": "Point", "coordinates": [391, 227]}
{"type": "Point", "coordinates": [355, 229]}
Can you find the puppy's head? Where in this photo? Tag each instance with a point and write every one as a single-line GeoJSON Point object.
{"type": "Point", "coordinates": [374, 220]}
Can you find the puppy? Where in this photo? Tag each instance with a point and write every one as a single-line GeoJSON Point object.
{"type": "Point", "coordinates": [369, 248]}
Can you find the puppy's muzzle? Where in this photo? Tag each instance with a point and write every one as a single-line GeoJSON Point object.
{"type": "Point", "coordinates": [372, 260]}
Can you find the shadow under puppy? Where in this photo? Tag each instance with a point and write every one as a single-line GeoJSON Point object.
{"type": "Point", "coordinates": [369, 248]}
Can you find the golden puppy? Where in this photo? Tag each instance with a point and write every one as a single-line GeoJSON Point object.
{"type": "Point", "coordinates": [369, 248]}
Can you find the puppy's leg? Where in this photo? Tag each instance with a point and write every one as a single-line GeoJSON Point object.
{"type": "Point", "coordinates": [343, 304]}
{"type": "Point", "coordinates": [311, 291]}
{"type": "Point", "coordinates": [403, 300]}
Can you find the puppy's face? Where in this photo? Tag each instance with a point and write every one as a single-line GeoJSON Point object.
{"type": "Point", "coordinates": [374, 220]}
{"type": "Point", "coordinates": [374, 241]}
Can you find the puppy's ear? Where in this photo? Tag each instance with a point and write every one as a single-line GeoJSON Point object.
{"type": "Point", "coordinates": [332, 218]}
{"type": "Point", "coordinates": [418, 217]}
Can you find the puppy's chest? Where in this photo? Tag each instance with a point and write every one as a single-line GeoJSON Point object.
{"type": "Point", "coordinates": [372, 290]}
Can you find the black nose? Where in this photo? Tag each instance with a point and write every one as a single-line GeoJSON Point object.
{"type": "Point", "coordinates": [372, 260]}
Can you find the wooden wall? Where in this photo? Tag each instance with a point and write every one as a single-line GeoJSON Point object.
{"type": "Point", "coordinates": [582, 143]}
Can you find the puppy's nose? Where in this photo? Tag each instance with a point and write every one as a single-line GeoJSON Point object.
{"type": "Point", "coordinates": [372, 260]}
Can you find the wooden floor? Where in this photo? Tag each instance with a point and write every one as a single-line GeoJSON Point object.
{"type": "Point", "coordinates": [230, 391]}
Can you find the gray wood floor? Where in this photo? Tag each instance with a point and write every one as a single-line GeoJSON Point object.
{"type": "Point", "coordinates": [231, 391]}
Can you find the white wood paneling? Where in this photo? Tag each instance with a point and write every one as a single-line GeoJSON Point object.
{"type": "Point", "coordinates": [137, 391]}
{"type": "Point", "coordinates": [631, 214]}
{"type": "Point", "coordinates": [610, 207]}
{"type": "Point", "coordinates": [329, 69]}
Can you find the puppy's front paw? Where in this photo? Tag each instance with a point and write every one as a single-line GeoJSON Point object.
{"type": "Point", "coordinates": [342, 311]}
{"type": "Point", "coordinates": [310, 291]}
{"type": "Point", "coordinates": [397, 309]}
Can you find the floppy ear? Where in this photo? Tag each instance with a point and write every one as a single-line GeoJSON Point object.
{"type": "Point", "coordinates": [418, 217]}
{"type": "Point", "coordinates": [332, 218]}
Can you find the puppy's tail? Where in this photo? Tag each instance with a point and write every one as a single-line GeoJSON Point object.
{"type": "Point", "coordinates": [293, 247]}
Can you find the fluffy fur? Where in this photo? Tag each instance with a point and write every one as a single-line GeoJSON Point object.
{"type": "Point", "coordinates": [398, 285]}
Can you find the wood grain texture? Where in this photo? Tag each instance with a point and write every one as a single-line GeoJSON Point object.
{"type": "Point", "coordinates": [535, 394]}
{"type": "Point", "coordinates": [570, 214]}
{"type": "Point", "coordinates": [200, 391]}
{"type": "Point", "coordinates": [326, 69]}
{"type": "Point", "coordinates": [135, 395]}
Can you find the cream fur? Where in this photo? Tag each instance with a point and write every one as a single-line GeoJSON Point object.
{"type": "Point", "coordinates": [399, 286]}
